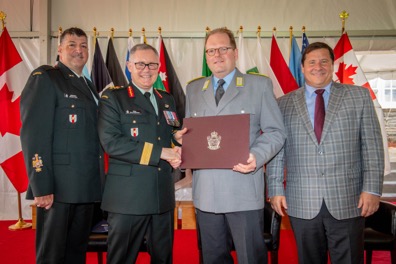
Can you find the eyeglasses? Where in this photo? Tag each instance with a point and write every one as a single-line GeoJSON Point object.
{"type": "Point", "coordinates": [222, 50]}
{"type": "Point", "coordinates": [142, 65]}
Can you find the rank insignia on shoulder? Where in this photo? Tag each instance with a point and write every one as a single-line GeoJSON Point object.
{"type": "Point", "coordinates": [37, 162]}
{"type": "Point", "coordinates": [257, 73]}
{"type": "Point", "coordinates": [200, 77]}
{"type": "Point", "coordinates": [104, 97]}
{"type": "Point", "coordinates": [37, 73]}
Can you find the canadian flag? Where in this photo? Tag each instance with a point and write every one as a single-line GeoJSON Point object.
{"type": "Point", "coordinates": [13, 76]}
{"type": "Point", "coordinates": [347, 70]}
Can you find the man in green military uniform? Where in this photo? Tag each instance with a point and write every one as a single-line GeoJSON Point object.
{"type": "Point", "coordinates": [62, 151]}
{"type": "Point", "coordinates": [136, 125]}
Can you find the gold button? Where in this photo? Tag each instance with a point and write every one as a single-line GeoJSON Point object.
{"type": "Point", "coordinates": [159, 138]}
{"type": "Point", "coordinates": [72, 106]}
{"type": "Point", "coordinates": [134, 121]}
{"type": "Point", "coordinates": [158, 123]}
{"type": "Point", "coordinates": [159, 169]}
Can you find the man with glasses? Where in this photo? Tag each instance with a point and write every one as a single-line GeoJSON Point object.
{"type": "Point", "coordinates": [230, 202]}
{"type": "Point", "coordinates": [136, 128]}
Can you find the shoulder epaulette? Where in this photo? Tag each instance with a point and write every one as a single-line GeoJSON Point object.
{"type": "Point", "coordinates": [257, 73]}
{"type": "Point", "coordinates": [116, 87]}
{"type": "Point", "coordinates": [200, 77]}
{"type": "Point", "coordinates": [40, 70]}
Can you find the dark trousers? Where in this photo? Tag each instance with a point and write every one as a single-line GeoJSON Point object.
{"type": "Point", "coordinates": [324, 235]}
{"type": "Point", "coordinates": [126, 234]}
{"type": "Point", "coordinates": [245, 229]}
{"type": "Point", "coordinates": [62, 233]}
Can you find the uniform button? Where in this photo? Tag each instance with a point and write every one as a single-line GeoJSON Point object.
{"type": "Point", "coordinates": [159, 138]}
{"type": "Point", "coordinates": [320, 152]}
{"type": "Point", "coordinates": [134, 121]}
{"type": "Point", "coordinates": [158, 123]}
{"type": "Point", "coordinates": [72, 106]}
{"type": "Point", "coordinates": [100, 157]}
{"type": "Point", "coordinates": [159, 169]}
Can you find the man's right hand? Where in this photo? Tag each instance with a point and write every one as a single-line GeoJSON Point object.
{"type": "Point", "coordinates": [278, 203]}
{"type": "Point", "coordinates": [172, 155]}
{"type": "Point", "coordinates": [44, 201]}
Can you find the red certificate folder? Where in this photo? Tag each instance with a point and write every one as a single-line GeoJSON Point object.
{"type": "Point", "coordinates": [215, 142]}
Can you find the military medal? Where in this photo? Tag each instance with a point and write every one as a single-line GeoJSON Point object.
{"type": "Point", "coordinates": [171, 118]}
{"type": "Point", "coordinates": [37, 162]}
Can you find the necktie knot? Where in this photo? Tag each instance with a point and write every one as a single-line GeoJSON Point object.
{"type": "Point", "coordinates": [320, 92]}
{"type": "Point", "coordinates": [147, 95]}
{"type": "Point", "coordinates": [219, 91]}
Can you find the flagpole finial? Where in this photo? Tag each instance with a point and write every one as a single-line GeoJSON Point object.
{"type": "Point", "coordinates": [159, 31]}
{"type": "Point", "coordinates": [274, 30]}
{"type": "Point", "coordinates": [112, 33]}
{"type": "Point", "coordinates": [240, 29]}
{"type": "Point", "coordinates": [95, 33]}
{"type": "Point", "coordinates": [207, 29]}
{"type": "Point", "coordinates": [130, 32]}
{"type": "Point", "coordinates": [343, 15]}
{"type": "Point", "coordinates": [303, 29]}
{"type": "Point", "coordinates": [59, 34]}
{"type": "Point", "coordinates": [258, 30]}
{"type": "Point", "coordinates": [143, 32]}
{"type": "Point", "coordinates": [2, 18]}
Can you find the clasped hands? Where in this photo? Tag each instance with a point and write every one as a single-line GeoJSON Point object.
{"type": "Point", "coordinates": [172, 155]}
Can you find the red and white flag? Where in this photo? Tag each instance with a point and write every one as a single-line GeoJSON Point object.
{"type": "Point", "coordinates": [13, 77]}
{"type": "Point", "coordinates": [347, 70]}
{"type": "Point", "coordinates": [280, 69]}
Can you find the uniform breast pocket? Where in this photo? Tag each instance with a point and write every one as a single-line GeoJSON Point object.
{"type": "Point", "coordinates": [134, 124]}
{"type": "Point", "coordinates": [71, 113]}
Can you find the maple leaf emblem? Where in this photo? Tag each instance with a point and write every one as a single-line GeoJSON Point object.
{"type": "Point", "coordinates": [345, 72]}
{"type": "Point", "coordinates": [9, 113]}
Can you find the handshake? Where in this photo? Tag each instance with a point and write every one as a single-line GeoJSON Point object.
{"type": "Point", "coordinates": [173, 155]}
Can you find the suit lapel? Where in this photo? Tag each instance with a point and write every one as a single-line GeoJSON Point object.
{"type": "Point", "coordinates": [231, 91]}
{"type": "Point", "coordinates": [207, 91]}
{"type": "Point", "coordinates": [302, 112]}
{"type": "Point", "coordinates": [337, 92]}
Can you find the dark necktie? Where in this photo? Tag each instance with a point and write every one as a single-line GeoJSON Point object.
{"type": "Point", "coordinates": [319, 114]}
{"type": "Point", "coordinates": [148, 95]}
{"type": "Point", "coordinates": [86, 88]}
{"type": "Point", "coordinates": [219, 90]}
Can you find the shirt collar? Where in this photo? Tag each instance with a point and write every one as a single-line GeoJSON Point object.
{"type": "Point", "coordinates": [311, 90]}
{"type": "Point", "coordinates": [227, 79]}
{"type": "Point", "coordinates": [142, 90]}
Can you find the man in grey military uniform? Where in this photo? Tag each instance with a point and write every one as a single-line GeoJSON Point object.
{"type": "Point", "coordinates": [230, 202]}
{"type": "Point", "coordinates": [62, 151]}
{"type": "Point", "coordinates": [137, 127]}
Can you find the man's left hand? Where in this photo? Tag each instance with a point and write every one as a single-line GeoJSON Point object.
{"type": "Point", "coordinates": [246, 168]}
{"type": "Point", "coordinates": [369, 203]}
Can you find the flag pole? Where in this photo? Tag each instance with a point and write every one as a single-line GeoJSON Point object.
{"type": "Point", "coordinates": [21, 224]}
{"type": "Point", "coordinates": [2, 18]}
{"type": "Point", "coordinates": [290, 39]}
{"type": "Point", "coordinates": [343, 15]}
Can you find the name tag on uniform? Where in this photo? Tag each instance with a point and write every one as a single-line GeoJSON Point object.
{"type": "Point", "coordinates": [171, 118]}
